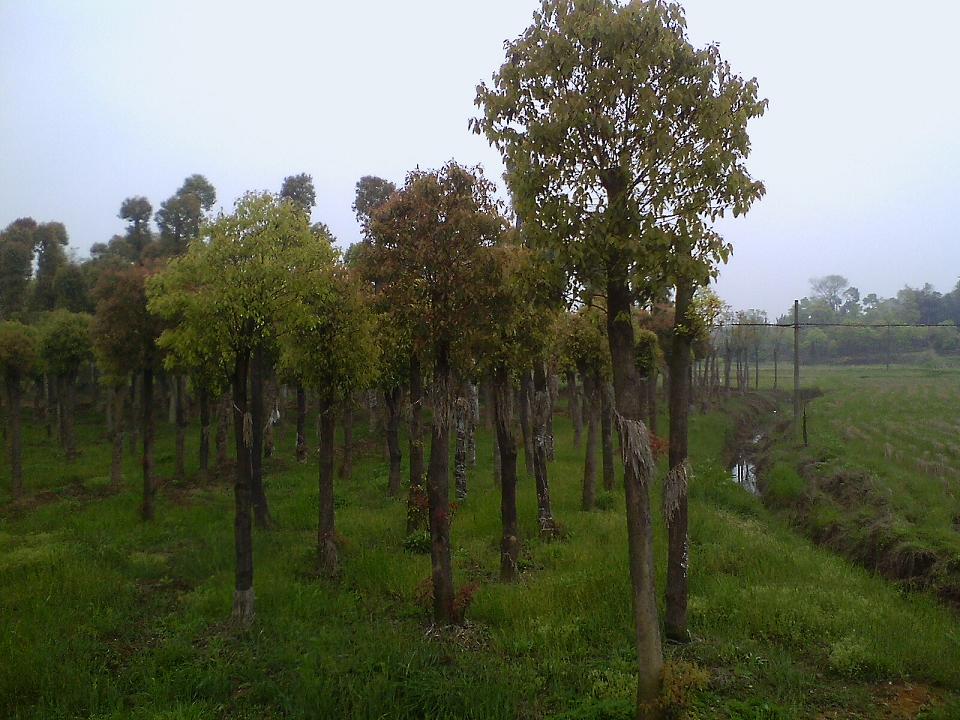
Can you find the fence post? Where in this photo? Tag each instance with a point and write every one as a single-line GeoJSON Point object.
{"type": "Point", "coordinates": [796, 367]}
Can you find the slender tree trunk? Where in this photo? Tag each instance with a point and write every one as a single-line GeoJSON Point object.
{"type": "Point", "coordinates": [541, 413]}
{"type": "Point", "coordinates": [461, 411]}
{"type": "Point", "coordinates": [652, 407]}
{"type": "Point", "coordinates": [606, 434]}
{"type": "Point", "coordinates": [756, 368]}
{"type": "Point", "coordinates": [261, 509]}
{"type": "Point", "coordinates": [243, 596]}
{"type": "Point", "coordinates": [270, 406]}
{"type": "Point", "coordinates": [416, 518]}
{"type": "Point", "coordinates": [775, 368]}
{"type": "Point", "coordinates": [204, 397]}
{"type": "Point", "coordinates": [526, 399]}
{"type": "Point", "coordinates": [473, 419]}
{"type": "Point", "coordinates": [135, 413]}
{"type": "Point", "coordinates": [301, 423]}
{"type": "Point", "coordinates": [180, 400]}
{"type": "Point", "coordinates": [69, 403]}
{"type": "Point", "coordinates": [16, 443]}
{"type": "Point", "coordinates": [675, 489]}
{"type": "Point", "coordinates": [507, 445]}
{"type": "Point", "coordinates": [438, 487]}
{"type": "Point", "coordinates": [576, 411]}
{"type": "Point", "coordinates": [346, 464]}
{"type": "Point", "coordinates": [116, 436]}
{"type": "Point", "coordinates": [727, 352]}
{"type": "Point", "coordinates": [590, 456]}
{"type": "Point", "coordinates": [149, 432]}
{"type": "Point", "coordinates": [638, 474]}
{"type": "Point", "coordinates": [553, 389]}
{"type": "Point", "coordinates": [328, 559]}
{"type": "Point", "coordinates": [223, 421]}
{"type": "Point", "coordinates": [394, 401]}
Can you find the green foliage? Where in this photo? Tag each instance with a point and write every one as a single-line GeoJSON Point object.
{"type": "Point", "coordinates": [19, 349]}
{"type": "Point", "coordinates": [622, 141]}
{"type": "Point", "coordinates": [16, 265]}
{"type": "Point", "coordinates": [330, 343]}
{"type": "Point", "coordinates": [646, 351]}
{"type": "Point", "coordinates": [240, 284]}
{"type": "Point", "coordinates": [124, 332]}
{"type": "Point", "coordinates": [583, 342]}
{"type": "Point", "coordinates": [299, 190]}
{"type": "Point", "coordinates": [65, 342]}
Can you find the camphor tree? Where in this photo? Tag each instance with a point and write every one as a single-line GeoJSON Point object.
{"type": "Point", "coordinates": [514, 328]}
{"type": "Point", "coordinates": [329, 345]}
{"type": "Point", "coordinates": [234, 291]}
{"type": "Point", "coordinates": [622, 142]}
{"type": "Point", "coordinates": [124, 336]}
{"type": "Point", "coordinates": [16, 266]}
{"type": "Point", "coordinates": [64, 347]}
{"type": "Point", "coordinates": [430, 240]}
{"type": "Point", "coordinates": [299, 190]}
{"type": "Point", "coordinates": [19, 359]}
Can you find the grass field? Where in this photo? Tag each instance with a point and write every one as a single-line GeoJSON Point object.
{"type": "Point", "coordinates": [104, 616]}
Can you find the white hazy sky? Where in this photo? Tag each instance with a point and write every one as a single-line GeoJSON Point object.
{"type": "Point", "coordinates": [102, 100]}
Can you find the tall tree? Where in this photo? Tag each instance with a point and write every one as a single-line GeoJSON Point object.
{"type": "Point", "coordinates": [429, 239]}
{"type": "Point", "coordinates": [50, 239]}
{"type": "Point", "coordinates": [16, 265]}
{"type": "Point", "coordinates": [180, 215]}
{"type": "Point", "coordinates": [65, 346]}
{"type": "Point", "coordinates": [19, 359]}
{"type": "Point", "coordinates": [225, 298]}
{"type": "Point", "coordinates": [137, 211]}
{"type": "Point", "coordinates": [330, 346]}
{"type": "Point", "coordinates": [124, 338]}
{"type": "Point", "coordinates": [619, 135]}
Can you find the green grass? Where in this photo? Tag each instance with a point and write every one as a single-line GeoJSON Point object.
{"type": "Point", "coordinates": [104, 616]}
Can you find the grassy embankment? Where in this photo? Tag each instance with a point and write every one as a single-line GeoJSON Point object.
{"type": "Point", "coordinates": [104, 616]}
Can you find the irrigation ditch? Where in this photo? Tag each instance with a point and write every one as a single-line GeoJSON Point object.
{"type": "Point", "coordinates": [834, 504]}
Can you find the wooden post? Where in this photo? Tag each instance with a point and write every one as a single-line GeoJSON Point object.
{"type": "Point", "coordinates": [796, 366]}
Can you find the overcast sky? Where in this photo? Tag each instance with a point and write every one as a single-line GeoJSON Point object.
{"type": "Point", "coordinates": [859, 150]}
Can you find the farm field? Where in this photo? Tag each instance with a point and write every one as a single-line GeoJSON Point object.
{"type": "Point", "coordinates": [881, 477]}
{"type": "Point", "coordinates": [105, 616]}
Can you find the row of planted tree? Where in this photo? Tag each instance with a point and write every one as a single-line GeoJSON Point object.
{"type": "Point", "coordinates": [623, 144]}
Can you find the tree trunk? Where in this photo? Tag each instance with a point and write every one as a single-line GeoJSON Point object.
{"type": "Point", "coordinates": [272, 415]}
{"type": "Point", "coordinates": [652, 408]}
{"type": "Point", "coordinates": [541, 413]}
{"type": "Point", "coordinates": [576, 412]}
{"type": "Point", "coordinates": [148, 431]}
{"type": "Point", "coordinates": [394, 401]}
{"type": "Point", "coordinates": [461, 411]}
{"type": "Point", "coordinates": [775, 368]}
{"type": "Point", "coordinates": [116, 436]}
{"type": "Point", "coordinates": [507, 445]}
{"type": "Point", "coordinates": [606, 434]}
{"type": "Point", "coordinates": [301, 423]}
{"type": "Point", "coordinates": [438, 480]}
{"type": "Point", "coordinates": [204, 431]}
{"type": "Point", "coordinates": [526, 398]}
{"type": "Point", "coordinates": [346, 463]}
{"type": "Point", "coordinates": [416, 506]}
{"type": "Point", "coordinates": [243, 597]}
{"type": "Point", "coordinates": [553, 389]}
{"type": "Point", "coordinates": [675, 487]}
{"type": "Point", "coordinates": [261, 509]}
{"type": "Point", "coordinates": [16, 443]}
{"type": "Point", "coordinates": [135, 413]}
{"type": "Point", "coordinates": [180, 412]}
{"type": "Point", "coordinates": [473, 419]}
{"type": "Point", "coordinates": [638, 474]}
{"type": "Point", "coordinates": [223, 419]}
{"type": "Point", "coordinates": [590, 456]}
{"type": "Point", "coordinates": [328, 560]}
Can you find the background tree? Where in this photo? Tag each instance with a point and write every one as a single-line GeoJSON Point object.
{"type": "Point", "coordinates": [19, 359]}
{"type": "Point", "coordinates": [16, 265]}
{"type": "Point", "coordinates": [137, 211]}
{"type": "Point", "coordinates": [429, 238]}
{"type": "Point", "coordinates": [228, 296]}
{"type": "Point", "coordinates": [299, 190]}
{"type": "Point", "coordinates": [50, 239]}
{"type": "Point", "coordinates": [65, 346]}
{"type": "Point", "coordinates": [180, 215]}
{"type": "Point", "coordinates": [618, 135]}
{"type": "Point", "coordinates": [124, 336]}
{"type": "Point", "coordinates": [330, 345]}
